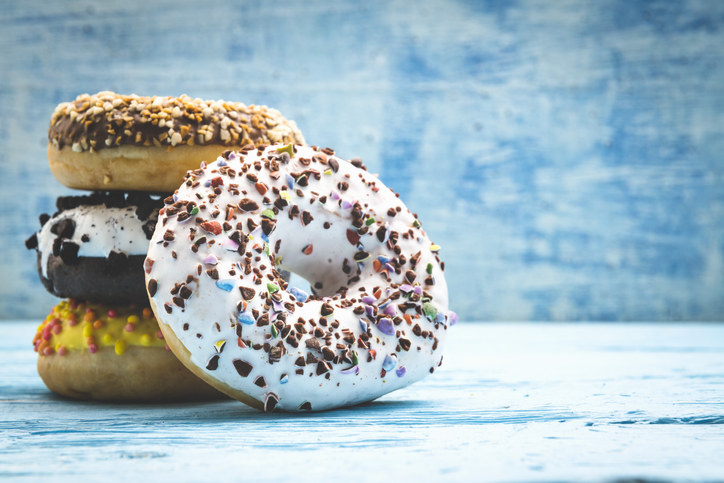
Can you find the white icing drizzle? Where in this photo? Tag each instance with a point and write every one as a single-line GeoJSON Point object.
{"type": "Point", "coordinates": [107, 230]}
{"type": "Point", "coordinates": [395, 341]}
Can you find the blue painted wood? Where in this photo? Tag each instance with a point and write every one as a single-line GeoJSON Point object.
{"type": "Point", "coordinates": [566, 155]}
{"type": "Point", "coordinates": [512, 402]}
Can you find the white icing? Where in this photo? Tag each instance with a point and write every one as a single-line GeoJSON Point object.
{"type": "Point", "coordinates": [211, 311]}
{"type": "Point", "coordinates": [107, 229]}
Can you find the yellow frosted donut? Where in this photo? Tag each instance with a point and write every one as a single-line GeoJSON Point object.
{"type": "Point", "coordinates": [111, 352]}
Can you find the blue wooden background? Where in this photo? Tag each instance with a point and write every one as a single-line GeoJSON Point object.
{"type": "Point", "coordinates": [567, 155]}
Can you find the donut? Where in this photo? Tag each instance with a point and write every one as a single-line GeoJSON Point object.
{"type": "Point", "coordinates": [109, 141]}
{"type": "Point", "coordinates": [111, 353]}
{"type": "Point", "coordinates": [377, 315]}
{"type": "Point", "coordinates": [93, 247]}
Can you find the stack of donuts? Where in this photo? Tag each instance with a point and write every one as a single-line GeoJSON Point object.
{"type": "Point", "coordinates": [103, 341]}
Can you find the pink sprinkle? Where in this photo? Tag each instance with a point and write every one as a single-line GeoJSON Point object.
{"type": "Point", "coordinates": [112, 313]}
{"type": "Point", "coordinates": [452, 317]}
{"type": "Point", "coordinates": [62, 351]}
{"type": "Point", "coordinates": [335, 196]}
{"type": "Point", "coordinates": [55, 321]}
{"type": "Point", "coordinates": [159, 335]}
{"type": "Point", "coordinates": [228, 244]}
{"type": "Point", "coordinates": [93, 348]}
{"type": "Point", "coordinates": [57, 329]}
{"type": "Point", "coordinates": [48, 351]}
{"type": "Point", "coordinates": [72, 322]}
{"type": "Point", "coordinates": [168, 348]}
{"type": "Point", "coordinates": [46, 333]}
{"type": "Point", "coordinates": [129, 327]}
{"type": "Point", "coordinates": [390, 310]}
{"type": "Point", "coordinates": [73, 304]}
{"type": "Point", "coordinates": [346, 205]}
{"type": "Point", "coordinates": [212, 260]}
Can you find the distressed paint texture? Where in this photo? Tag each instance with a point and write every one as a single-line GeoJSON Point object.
{"type": "Point", "coordinates": [566, 155]}
{"type": "Point", "coordinates": [511, 403]}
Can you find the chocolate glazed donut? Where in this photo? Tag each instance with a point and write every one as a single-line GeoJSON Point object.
{"type": "Point", "coordinates": [93, 247]}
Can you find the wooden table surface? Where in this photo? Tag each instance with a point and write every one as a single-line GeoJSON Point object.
{"type": "Point", "coordinates": [512, 402]}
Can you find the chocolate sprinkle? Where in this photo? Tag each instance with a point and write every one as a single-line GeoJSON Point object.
{"type": "Point", "coordinates": [152, 287]}
{"type": "Point", "coordinates": [213, 363]}
{"type": "Point", "coordinates": [259, 381]}
{"type": "Point", "coordinates": [242, 367]}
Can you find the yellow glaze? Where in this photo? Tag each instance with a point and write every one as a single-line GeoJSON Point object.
{"type": "Point", "coordinates": [77, 326]}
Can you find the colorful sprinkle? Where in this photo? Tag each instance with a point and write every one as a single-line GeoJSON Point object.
{"type": "Point", "coordinates": [434, 248]}
{"type": "Point", "coordinates": [228, 244]}
{"type": "Point", "coordinates": [245, 318]}
{"type": "Point", "coordinates": [227, 285]}
{"type": "Point", "coordinates": [369, 300]}
{"type": "Point", "coordinates": [401, 372]}
{"type": "Point", "coordinates": [120, 347]}
{"type": "Point", "coordinates": [211, 260]}
{"type": "Point", "coordinates": [429, 310]}
{"type": "Point", "coordinates": [428, 269]}
{"type": "Point", "coordinates": [289, 149]}
{"type": "Point", "coordinates": [390, 362]}
{"type": "Point", "coordinates": [452, 318]}
{"type": "Point", "coordinates": [386, 326]}
{"type": "Point", "coordinates": [219, 345]}
{"type": "Point", "coordinates": [299, 294]}
{"type": "Point", "coordinates": [268, 214]}
{"type": "Point", "coordinates": [351, 370]}
{"type": "Point", "coordinates": [272, 287]}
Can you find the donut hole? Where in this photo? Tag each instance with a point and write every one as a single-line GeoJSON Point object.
{"type": "Point", "coordinates": [296, 280]}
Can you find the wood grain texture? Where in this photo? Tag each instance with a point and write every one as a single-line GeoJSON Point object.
{"type": "Point", "coordinates": [512, 402]}
{"type": "Point", "coordinates": [566, 155]}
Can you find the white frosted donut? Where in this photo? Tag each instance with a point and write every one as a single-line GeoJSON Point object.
{"type": "Point", "coordinates": [380, 314]}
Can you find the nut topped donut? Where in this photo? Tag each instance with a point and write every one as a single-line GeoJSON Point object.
{"type": "Point", "coordinates": [109, 141]}
{"type": "Point", "coordinates": [378, 316]}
